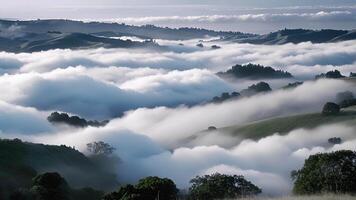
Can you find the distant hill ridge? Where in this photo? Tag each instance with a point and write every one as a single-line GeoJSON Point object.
{"type": "Point", "coordinates": [297, 36]}
{"type": "Point", "coordinates": [42, 35]}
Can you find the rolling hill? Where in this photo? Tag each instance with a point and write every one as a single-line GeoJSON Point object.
{"type": "Point", "coordinates": [21, 161]}
{"type": "Point", "coordinates": [47, 41]}
{"type": "Point", "coordinates": [297, 36]}
{"type": "Point", "coordinates": [283, 125]}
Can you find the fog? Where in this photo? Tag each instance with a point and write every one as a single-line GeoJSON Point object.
{"type": "Point", "coordinates": [158, 110]}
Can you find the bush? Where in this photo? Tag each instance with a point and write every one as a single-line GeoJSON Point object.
{"type": "Point", "coordinates": [327, 173]}
{"type": "Point", "coordinates": [150, 188]}
{"type": "Point", "coordinates": [219, 186]}
{"type": "Point", "coordinates": [331, 109]}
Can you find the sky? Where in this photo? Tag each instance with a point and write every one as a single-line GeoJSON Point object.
{"type": "Point", "coordinates": [236, 15]}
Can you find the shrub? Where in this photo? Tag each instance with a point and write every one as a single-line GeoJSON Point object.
{"type": "Point", "coordinates": [219, 186]}
{"type": "Point", "coordinates": [331, 109]}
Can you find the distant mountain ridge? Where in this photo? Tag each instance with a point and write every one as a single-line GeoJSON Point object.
{"type": "Point", "coordinates": [297, 36]}
{"type": "Point", "coordinates": [42, 35]}
{"type": "Point", "coordinates": [146, 31]}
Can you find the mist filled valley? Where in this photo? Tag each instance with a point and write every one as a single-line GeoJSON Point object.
{"type": "Point", "coordinates": [94, 110]}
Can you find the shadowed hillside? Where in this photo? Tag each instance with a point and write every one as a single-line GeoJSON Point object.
{"type": "Point", "coordinates": [21, 161]}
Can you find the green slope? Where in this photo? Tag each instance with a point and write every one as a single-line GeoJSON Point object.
{"type": "Point", "coordinates": [21, 161]}
{"type": "Point", "coordinates": [283, 125]}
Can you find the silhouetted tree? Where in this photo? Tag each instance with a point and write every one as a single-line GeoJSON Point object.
{"type": "Point", "coordinates": [56, 117]}
{"type": "Point", "coordinates": [219, 186]}
{"type": "Point", "coordinates": [256, 88]}
{"type": "Point", "coordinates": [327, 172]}
{"type": "Point", "coordinates": [50, 186]}
{"type": "Point", "coordinates": [331, 108]}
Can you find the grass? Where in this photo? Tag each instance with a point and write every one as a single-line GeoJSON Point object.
{"type": "Point", "coordinates": [320, 197]}
{"type": "Point", "coordinates": [283, 125]}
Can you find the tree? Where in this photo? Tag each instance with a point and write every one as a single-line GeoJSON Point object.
{"type": "Point", "coordinates": [219, 186]}
{"type": "Point", "coordinates": [256, 88]}
{"type": "Point", "coordinates": [157, 188]}
{"type": "Point", "coordinates": [100, 148]}
{"type": "Point", "coordinates": [331, 108]}
{"type": "Point", "coordinates": [330, 74]}
{"type": "Point", "coordinates": [327, 172]}
{"type": "Point", "coordinates": [149, 188]}
{"type": "Point", "coordinates": [64, 118]}
{"type": "Point", "coordinates": [50, 186]}
{"type": "Point", "coordinates": [342, 96]}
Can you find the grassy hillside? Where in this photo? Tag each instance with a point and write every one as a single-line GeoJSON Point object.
{"type": "Point", "coordinates": [21, 161]}
{"type": "Point", "coordinates": [283, 125]}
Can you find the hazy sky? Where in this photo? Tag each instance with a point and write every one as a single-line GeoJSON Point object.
{"type": "Point", "coordinates": [257, 16]}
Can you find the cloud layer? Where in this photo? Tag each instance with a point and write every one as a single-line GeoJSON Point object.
{"type": "Point", "coordinates": [159, 94]}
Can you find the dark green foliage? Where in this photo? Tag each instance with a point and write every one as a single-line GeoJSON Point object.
{"type": "Point", "coordinates": [225, 96]}
{"type": "Point", "coordinates": [327, 173]}
{"type": "Point", "coordinates": [149, 188]}
{"type": "Point", "coordinates": [252, 71]}
{"type": "Point", "coordinates": [331, 74]}
{"type": "Point", "coordinates": [56, 117]}
{"type": "Point", "coordinates": [256, 88]}
{"type": "Point", "coordinates": [50, 186]}
{"type": "Point", "coordinates": [292, 85]}
{"type": "Point", "coordinates": [20, 162]}
{"type": "Point", "coordinates": [218, 186]}
{"type": "Point", "coordinates": [331, 108]}
{"type": "Point", "coordinates": [250, 91]}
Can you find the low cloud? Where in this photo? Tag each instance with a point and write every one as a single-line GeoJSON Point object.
{"type": "Point", "coordinates": [263, 17]}
{"type": "Point", "coordinates": [267, 160]}
{"type": "Point", "coordinates": [93, 98]}
{"type": "Point", "coordinates": [304, 60]}
{"type": "Point", "coordinates": [170, 125]}
{"type": "Point", "coordinates": [21, 120]}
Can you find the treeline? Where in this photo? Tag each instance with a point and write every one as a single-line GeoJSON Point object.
{"type": "Point", "coordinates": [322, 173]}
{"type": "Point", "coordinates": [52, 186]}
{"type": "Point", "coordinates": [253, 71]}
{"type": "Point", "coordinates": [64, 118]}
{"type": "Point", "coordinates": [254, 89]}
